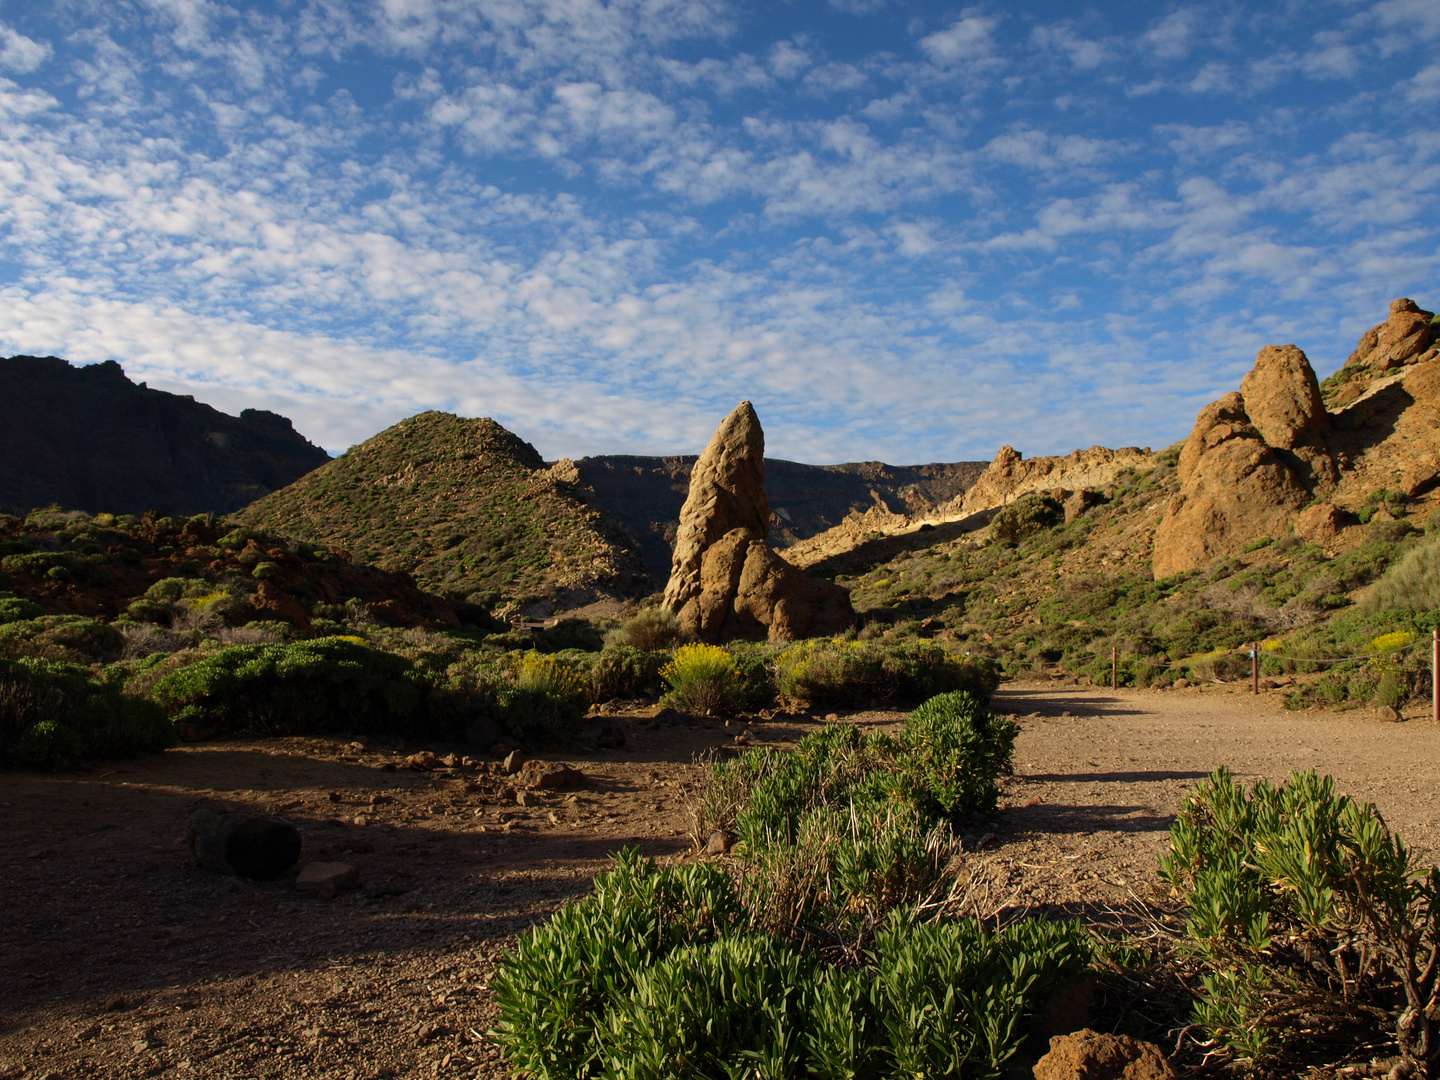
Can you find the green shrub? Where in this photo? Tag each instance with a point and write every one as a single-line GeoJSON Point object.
{"type": "Point", "coordinates": [1025, 517]}
{"type": "Point", "coordinates": [323, 685]}
{"type": "Point", "coordinates": [15, 608]}
{"type": "Point", "coordinates": [702, 679]}
{"type": "Point", "coordinates": [849, 673]}
{"type": "Point", "coordinates": [54, 714]}
{"type": "Point", "coordinates": [151, 611]}
{"type": "Point", "coordinates": [651, 630]}
{"type": "Point", "coordinates": [544, 699]}
{"type": "Point", "coordinates": [554, 989]}
{"type": "Point", "coordinates": [169, 590]}
{"type": "Point", "coordinates": [1298, 896]}
{"type": "Point", "coordinates": [1411, 584]}
{"type": "Point", "coordinates": [657, 975]}
{"type": "Point", "coordinates": [573, 633]}
{"type": "Point", "coordinates": [62, 637]}
{"type": "Point", "coordinates": [957, 750]}
{"type": "Point", "coordinates": [623, 671]}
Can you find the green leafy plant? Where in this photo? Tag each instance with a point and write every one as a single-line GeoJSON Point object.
{"type": "Point", "coordinates": [54, 714]}
{"type": "Point", "coordinates": [660, 974]}
{"type": "Point", "coordinates": [843, 672]}
{"type": "Point", "coordinates": [1296, 893]}
{"type": "Point", "coordinates": [1025, 517]}
{"type": "Point", "coordinates": [322, 685]}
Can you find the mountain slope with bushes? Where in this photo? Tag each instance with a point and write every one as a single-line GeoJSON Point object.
{"type": "Point", "coordinates": [466, 507]}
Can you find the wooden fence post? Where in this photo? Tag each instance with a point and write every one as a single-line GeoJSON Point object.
{"type": "Point", "coordinates": [1435, 676]}
{"type": "Point", "coordinates": [1115, 670]}
{"type": "Point", "coordinates": [1255, 669]}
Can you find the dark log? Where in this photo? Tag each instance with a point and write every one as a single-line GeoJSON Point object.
{"type": "Point", "coordinates": [248, 845]}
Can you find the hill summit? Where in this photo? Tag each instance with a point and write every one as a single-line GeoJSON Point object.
{"type": "Point", "coordinates": [89, 439]}
{"type": "Point", "coordinates": [466, 507]}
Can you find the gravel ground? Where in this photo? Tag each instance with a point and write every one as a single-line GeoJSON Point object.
{"type": "Point", "coordinates": [120, 958]}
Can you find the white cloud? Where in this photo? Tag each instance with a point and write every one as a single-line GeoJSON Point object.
{"type": "Point", "coordinates": [19, 54]}
{"type": "Point", "coordinates": [969, 38]}
{"type": "Point", "coordinates": [1172, 36]}
{"type": "Point", "coordinates": [1084, 53]}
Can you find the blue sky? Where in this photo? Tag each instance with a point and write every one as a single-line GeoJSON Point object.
{"type": "Point", "coordinates": [910, 232]}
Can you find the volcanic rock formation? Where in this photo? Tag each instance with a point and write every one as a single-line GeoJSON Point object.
{"type": "Point", "coordinates": [1253, 460]}
{"type": "Point", "coordinates": [725, 581]}
{"type": "Point", "coordinates": [1257, 458]}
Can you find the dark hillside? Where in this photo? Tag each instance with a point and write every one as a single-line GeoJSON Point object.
{"type": "Point", "coordinates": [89, 439]}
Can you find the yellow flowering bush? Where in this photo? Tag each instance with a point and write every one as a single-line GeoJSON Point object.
{"type": "Point", "coordinates": [702, 678]}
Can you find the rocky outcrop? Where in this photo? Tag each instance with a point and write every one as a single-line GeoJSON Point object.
{"type": "Point", "coordinates": [725, 580]}
{"type": "Point", "coordinates": [1010, 475]}
{"type": "Point", "coordinates": [90, 439]}
{"type": "Point", "coordinates": [1406, 337]}
{"type": "Point", "coordinates": [1252, 462]}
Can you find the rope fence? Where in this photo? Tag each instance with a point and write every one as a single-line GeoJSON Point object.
{"type": "Point", "coordinates": [1256, 653]}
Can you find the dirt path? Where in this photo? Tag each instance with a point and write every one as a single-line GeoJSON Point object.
{"type": "Point", "coordinates": [1100, 775]}
{"type": "Point", "coordinates": [119, 958]}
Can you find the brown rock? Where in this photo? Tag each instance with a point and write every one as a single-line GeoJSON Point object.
{"type": "Point", "coordinates": [424, 761]}
{"type": "Point", "coordinates": [327, 878]}
{"type": "Point", "coordinates": [1400, 339]}
{"type": "Point", "coordinates": [1090, 1055]}
{"type": "Point", "coordinates": [514, 762]}
{"type": "Point", "coordinates": [1319, 523]}
{"type": "Point", "coordinates": [1282, 399]}
{"type": "Point", "coordinates": [725, 581]}
{"type": "Point", "coordinates": [1079, 502]}
{"type": "Point", "coordinates": [719, 843]}
{"type": "Point", "coordinates": [559, 778]}
{"type": "Point", "coordinates": [1251, 462]}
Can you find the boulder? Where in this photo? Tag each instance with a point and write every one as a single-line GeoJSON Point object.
{"type": "Point", "coordinates": [1398, 340]}
{"type": "Point", "coordinates": [1079, 502]}
{"type": "Point", "coordinates": [1320, 523]}
{"type": "Point", "coordinates": [726, 581]}
{"type": "Point", "coordinates": [1091, 1055]}
{"type": "Point", "coordinates": [253, 846]}
{"type": "Point", "coordinates": [1282, 399]}
{"type": "Point", "coordinates": [1253, 460]}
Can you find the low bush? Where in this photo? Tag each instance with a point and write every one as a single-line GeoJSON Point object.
{"type": "Point", "coordinates": [54, 714]}
{"type": "Point", "coordinates": [323, 685]}
{"type": "Point", "coordinates": [660, 975]}
{"type": "Point", "coordinates": [16, 608]}
{"type": "Point", "coordinates": [702, 679]}
{"type": "Point", "coordinates": [651, 630]}
{"type": "Point", "coordinates": [544, 698]}
{"type": "Point", "coordinates": [846, 826]}
{"type": "Point", "coordinates": [72, 638]}
{"type": "Point", "coordinates": [623, 671]}
{"type": "Point", "coordinates": [1302, 904]}
{"type": "Point", "coordinates": [1025, 517]}
{"type": "Point", "coordinates": [841, 672]}
{"type": "Point", "coordinates": [1412, 584]}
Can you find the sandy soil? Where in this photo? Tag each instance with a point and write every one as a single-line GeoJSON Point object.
{"type": "Point", "coordinates": [120, 958]}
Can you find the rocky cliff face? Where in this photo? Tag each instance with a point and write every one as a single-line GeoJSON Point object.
{"type": "Point", "coordinates": [1010, 475]}
{"type": "Point", "coordinates": [90, 439]}
{"type": "Point", "coordinates": [725, 581]}
{"type": "Point", "coordinates": [1256, 459]}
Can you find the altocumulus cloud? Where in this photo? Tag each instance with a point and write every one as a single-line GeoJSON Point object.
{"type": "Point", "coordinates": [909, 232]}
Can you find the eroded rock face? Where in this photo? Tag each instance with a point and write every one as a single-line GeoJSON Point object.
{"type": "Point", "coordinates": [1010, 475]}
{"type": "Point", "coordinates": [1282, 400]}
{"type": "Point", "coordinates": [725, 581]}
{"type": "Point", "coordinates": [1406, 337]}
{"type": "Point", "coordinates": [1235, 486]}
